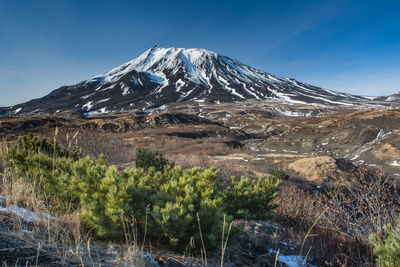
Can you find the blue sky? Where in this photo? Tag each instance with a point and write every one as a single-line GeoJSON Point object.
{"type": "Point", "coordinates": [344, 45]}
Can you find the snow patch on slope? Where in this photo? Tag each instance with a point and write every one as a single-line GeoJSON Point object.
{"type": "Point", "coordinates": [88, 105]}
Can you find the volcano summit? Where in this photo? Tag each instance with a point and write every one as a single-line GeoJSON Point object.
{"type": "Point", "coordinates": [165, 75]}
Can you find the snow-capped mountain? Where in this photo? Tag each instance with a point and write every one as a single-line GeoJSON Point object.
{"type": "Point", "coordinates": [164, 75]}
{"type": "Point", "coordinates": [390, 98]}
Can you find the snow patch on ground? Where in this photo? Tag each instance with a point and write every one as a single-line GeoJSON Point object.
{"type": "Point", "coordinates": [262, 148]}
{"type": "Point", "coordinates": [292, 113]}
{"type": "Point", "coordinates": [292, 260]}
{"type": "Point", "coordinates": [229, 157]}
{"type": "Point", "coordinates": [258, 159]}
{"type": "Point", "coordinates": [395, 163]}
{"type": "Point", "coordinates": [290, 151]}
{"type": "Point", "coordinates": [25, 214]}
{"type": "Point", "coordinates": [99, 111]}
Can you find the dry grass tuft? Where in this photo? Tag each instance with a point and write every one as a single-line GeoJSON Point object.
{"type": "Point", "coordinates": [56, 239]}
{"type": "Point", "coordinates": [315, 168]}
{"type": "Point", "coordinates": [387, 152]}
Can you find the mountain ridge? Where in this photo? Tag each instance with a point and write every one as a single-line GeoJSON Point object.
{"type": "Point", "coordinates": [166, 75]}
{"type": "Point", "coordinates": [390, 98]}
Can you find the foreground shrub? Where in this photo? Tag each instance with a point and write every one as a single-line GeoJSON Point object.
{"type": "Point", "coordinates": [161, 202]}
{"type": "Point", "coordinates": [166, 202]}
{"type": "Point", "coordinates": [387, 251]}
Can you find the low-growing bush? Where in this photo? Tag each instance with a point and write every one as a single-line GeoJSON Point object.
{"type": "Point", "coordinates": [162, 203]}
{"type": "Point", "coordinates": [167, 203]}
{"type": "Point", "coordinates": [362, 207]}
{"type": "Point", "coordinates": [31, 143]}
{"type": "Point", "coordinates": [146, 158]}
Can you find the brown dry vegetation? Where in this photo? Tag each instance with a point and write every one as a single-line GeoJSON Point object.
{"type": "Point", "coordinates": [388, 152]}
{"type": "Point", "coordinates": [316, 169]}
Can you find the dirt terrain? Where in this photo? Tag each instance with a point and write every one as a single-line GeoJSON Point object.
{"type": "Point", "coordinates": [250, 138]}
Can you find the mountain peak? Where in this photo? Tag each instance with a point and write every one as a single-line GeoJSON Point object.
{"type": "Point", "coordinates": [164, 75]}
{"type": "Point", "coordinates": [157, 59]}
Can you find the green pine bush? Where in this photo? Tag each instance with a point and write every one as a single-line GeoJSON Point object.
{"type": "Point", "coordinates": [172, 198]}
{"type": "Point", "coordinates": [387, 251]}
{"type": "Point", "coordinates": [146, 158]}
{"type": "Point", "coordinates": [48, 147]}
{"type": "Point", "coordinates": [163, 199]}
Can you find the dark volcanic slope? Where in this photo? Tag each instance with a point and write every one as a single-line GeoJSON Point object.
{"type": "Point", "coordinates": [165, 75]}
